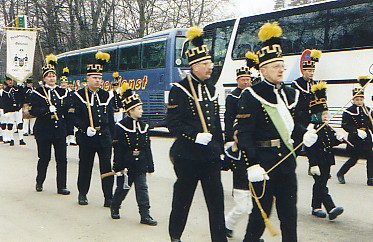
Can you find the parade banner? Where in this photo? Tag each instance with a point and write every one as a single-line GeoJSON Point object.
{"type": "Point", "coordinates": [20, 54]}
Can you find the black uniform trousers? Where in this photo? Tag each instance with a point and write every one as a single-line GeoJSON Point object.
{"type": "Point", "coordinates": [44, 154]}
{"type": "Point", "coordinates": [188, 173]}
{"type": "Point", "coordinates": [86, 158]}
{"type": "Point", "coordinates": [355, 155]}
{"type": "Point", "coordinates": [141, 191]}
{"type": "Point", "coordinates": [284, 188]}
{"type": "Point", "coordinates": [320, 191]}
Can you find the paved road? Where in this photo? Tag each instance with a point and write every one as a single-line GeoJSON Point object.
{"type": "Point", "coordinates": [30, 216]}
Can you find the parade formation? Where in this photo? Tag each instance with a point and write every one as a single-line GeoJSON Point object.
{"type": "Point", "coordinates": [267, 125]}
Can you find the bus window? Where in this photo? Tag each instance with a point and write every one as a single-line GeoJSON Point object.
{"type": "Point", "coordinates": [61, 64]}
{"type": "Point", "coordinates": [87, 58]}
{"type": "Point", "coordinates": [112, 64]}
{"type": "Point", "coordinates": [351, 27]}
{"type": "Point", "coordinates": [220, 44]}
{"type": "Point", "coordinates": [179, 61]}
{"type": "Point", "coordinates": [73, 62]}
{"type": "Point", "coordinates": [246, 38]}
{"type": "Point", "coordinates": [154, 55]}
{"type": "Point", "coordinates": [129, 58]}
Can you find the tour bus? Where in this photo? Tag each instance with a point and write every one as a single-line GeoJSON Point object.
{"type": "Point", "coordinates": [342, 29]}
{"type": "Point", "coordinates": [149, 65]}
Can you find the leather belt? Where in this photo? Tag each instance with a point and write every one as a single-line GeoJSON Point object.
{"type": "Point", "coordinates": [269, 143]}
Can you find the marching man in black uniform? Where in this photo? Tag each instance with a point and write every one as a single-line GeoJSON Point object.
{"type": "Point", "coordinates": [265, 125]}
{"type": "Point", "coordinates": [320, 152]}
{"type": "Point", "coordinates": [13, 100]}
{"type": "Point", "coordinates": [303, 85]}
{"type": "Point", "coordinates": [48, 106]}
{"type": "Point", "coordinates": [118, 106]}
{"type": "Point", "coordinates": [241, 193]}
{"type": "Point", "coordinates": [28, 120]}
{"type": "Point", "coordinates": [94, 118]}
{"type": "Point", "coordinates": [132, 152]}
{"type": "Point", "coordinates": [357, 121]}
{"type": "Point", "coordinates": [196, 150]}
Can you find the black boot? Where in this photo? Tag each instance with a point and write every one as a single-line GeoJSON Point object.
{"type": "Point", "coordinates": [21, 142]}
{"type": "Point", "coordinates": [370, 182]}
{"type": "Point", "coordinates": [39, 187]}
{"type": "Point", "coordinates": [82, 199]}
{"type": "Point", "coordinates": [107, 203]}
{"type": "Point", "coordinates": [114, 213]}
{"type": "Point", "coordinates": [11, 143]}
{"type": "Point", "coordinates": [335, 212]}
{"type": "Point", "coordinates": [148, 220]}
{"type": "Point", "coordinates": [318, 213]}
{"type": "Point", "coordinates": [63, 191]}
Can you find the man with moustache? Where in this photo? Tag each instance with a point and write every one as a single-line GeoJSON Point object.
{"type": "Point", "coordinates": [196, 154]}
{"type": "Point", "coordinates": [94, 117]}
{"type": "Point", "coordinates": [265, 126]}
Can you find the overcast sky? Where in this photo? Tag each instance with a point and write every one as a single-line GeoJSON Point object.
{"type": "Point", "coordinates": [251, 7]}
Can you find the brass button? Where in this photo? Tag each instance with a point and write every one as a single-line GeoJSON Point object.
{"type": "Point", "coordinates": [279, 154]}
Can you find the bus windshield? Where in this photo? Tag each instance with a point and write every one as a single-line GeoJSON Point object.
{"type": "Point", "coordinates": [179, 61]}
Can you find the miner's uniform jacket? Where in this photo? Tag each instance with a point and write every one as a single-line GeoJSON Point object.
{"type": "Point", "coordinates": [265, 124]}
{"type": "Point", "coordinates": [13, 98]}
{"type": "Point", "coordinates": [303, 107]}
{"type": "Point", "coordinates": [132, 147]}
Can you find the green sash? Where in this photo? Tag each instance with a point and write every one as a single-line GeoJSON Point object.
{"type": "Point", "coordinates": [279, 124]}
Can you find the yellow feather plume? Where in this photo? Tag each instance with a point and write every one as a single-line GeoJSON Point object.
{"type": "Point", "coordinates": [193, 32]}
{"type": "Point", "coordinates": [319, 86]}
{"type": "Point", "coordinates": [102, 56]}
{"type": "Point", "coordinates": [124, 88]}
{"type": "Point", "coordinates": [252, 56]}
{"type": "Point", "coordinates": [50, 58]}
{"type": "Point", "coordinates": [115, 74]}
{"type": "Point", "coordinates": [106, 57]}
{"type": "Point", "coordinates": [316, 54]}
{"type": "Point", "coordinates": [65, 70]}
{"type": "Point", "coordinates": [269, 30]}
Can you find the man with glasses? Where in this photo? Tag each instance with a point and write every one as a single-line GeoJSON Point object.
{"type": "Point", "coordinates": [265, 126]}
{"type": "Point", "coordinates": [196, 152]}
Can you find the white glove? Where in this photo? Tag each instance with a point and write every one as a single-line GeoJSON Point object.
{"type": "Point", "coordinates": [91, 131]}
{"type": "Point", "coordinates": [340, 135]}
{"type": "Point", "coordinates": [361, 133]}
{"type": "Point", "coordinates": [310, 137]}
{"type": "Point", "coordinates": [203, 138]}
{"type": "Point", "coordinates": [52, 108]}
{"type": "Point", "coordinates": [315, 170]}
{"type": "Point", "coordinates": [256, 173]}
{"type": "Point", "coordinates": [119, 173]}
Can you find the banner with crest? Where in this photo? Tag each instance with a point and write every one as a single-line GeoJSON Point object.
{"type": "Point", "coordinates": [20, 54]}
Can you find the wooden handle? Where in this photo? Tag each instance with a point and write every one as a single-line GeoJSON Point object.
{"type": "Point", "coordinates": [199, 110]}
{"type": "Point", "coordinates": [111, 173]}
{"type": "Point", "coordinates": [49, 102]}
{"type": "Point", "coordinates": [89, 108]}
